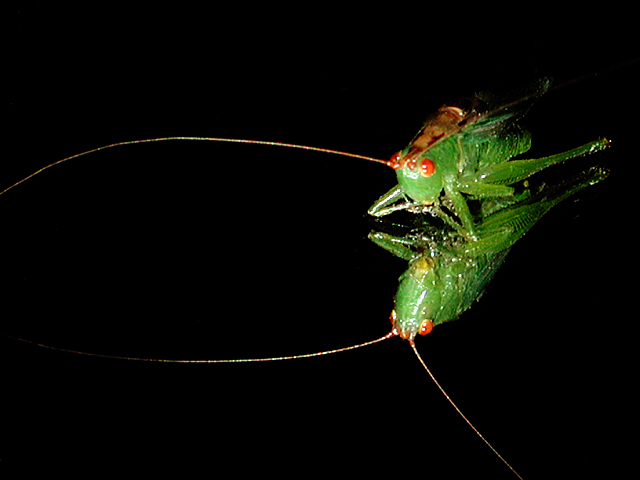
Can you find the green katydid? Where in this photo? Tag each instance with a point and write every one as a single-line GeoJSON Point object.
{"type": "Point", "coordinates": [464, 153]}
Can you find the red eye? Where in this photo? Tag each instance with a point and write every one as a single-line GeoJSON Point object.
{"type": "Point", "coordinates": [426, 327]}
{"type": "Point", "coordinates": [394, 161]}
{"type": "Point", "coordinates": [428, 167]}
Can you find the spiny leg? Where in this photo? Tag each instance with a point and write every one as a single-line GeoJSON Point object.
{"type": "Point", "coordinates": [516, 170]}
{"type": "Point", "coordinates": [493, 181]}
{"type": "Point", "coordinates": [392, 201]}
{"type": "Point", "coordinates": [399, 246]}
{"type": "Point", "coordinates": [502, 229]}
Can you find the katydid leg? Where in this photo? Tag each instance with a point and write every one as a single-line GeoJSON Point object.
{"type": "Point", "coordinates": [392, 201]}
{"type": "Point", "coordinates": [516, 170]}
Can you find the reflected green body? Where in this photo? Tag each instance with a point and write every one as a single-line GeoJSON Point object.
{"type": "Point", "coordinates": [440, 284]}
{"type": "Point", "coordinates": [448, 271]}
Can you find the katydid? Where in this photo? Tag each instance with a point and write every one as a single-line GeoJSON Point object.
{"type": "Point", "coordinates": [464, 153]}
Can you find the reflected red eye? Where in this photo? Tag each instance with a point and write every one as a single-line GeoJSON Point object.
{"type": "Point", "coordinates": [428, 167]}
{"type": "Point", "coordinates": [426, 327]}
{"type": "Point", "coordinates": [394, 161]}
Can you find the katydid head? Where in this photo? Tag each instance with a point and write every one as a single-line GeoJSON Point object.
{"type": "Point", "coordinates": [405, 329]}
{"type": "Point", "coordinates": [423, 165]}
{"type": "Point", "coordinates": [419, 176]}
{"type": "Point", "coordinates": [417, 301]}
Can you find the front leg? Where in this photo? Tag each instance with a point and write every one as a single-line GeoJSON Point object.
{"type": "Point", "coordinates": [392, 201]}
{"type": "Point", "coordinates": [395, 200]}
{"type": "Point", "coordinates": [399, 246]}
{"type": "Point", "coordinates": [461, 210]}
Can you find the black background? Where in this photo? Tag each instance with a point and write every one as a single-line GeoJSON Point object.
{"type": "Point", "coordinates": [204, 250]}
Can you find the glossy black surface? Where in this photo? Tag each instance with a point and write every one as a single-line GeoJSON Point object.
{"type": "Point", "coordinates": [183, 250]}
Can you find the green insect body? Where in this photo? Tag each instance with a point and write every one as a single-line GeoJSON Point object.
{"type": "Point", "coordinates": [466, 153]}
{"type": "Point", "coordinates": [458, 169]}
{"type": "Point", "coordinates": [440, 283]}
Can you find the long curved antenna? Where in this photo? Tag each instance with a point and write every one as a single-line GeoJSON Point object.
{"type": "Point", "coordinates": [204, 139]}
{"type": "Point", "coordinates": [242, 360]}
{"type": "Point", "coordinates": [415, 350]}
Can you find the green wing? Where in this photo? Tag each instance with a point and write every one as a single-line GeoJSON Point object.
{"type": "Point", "coordinates": [490, 134]}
